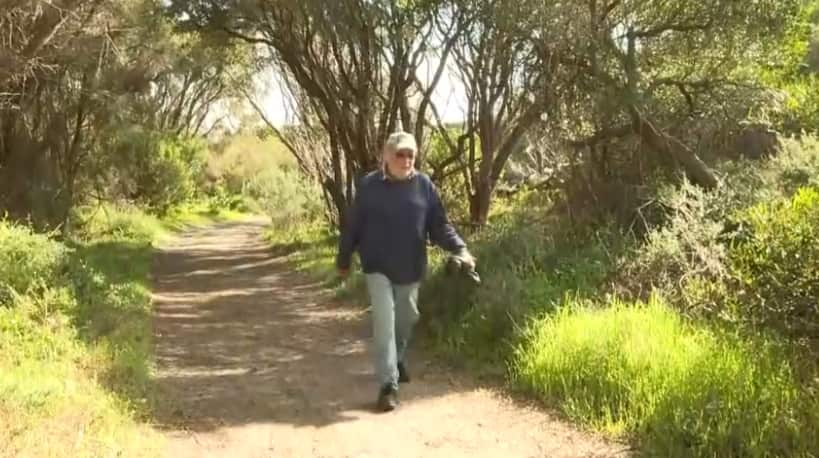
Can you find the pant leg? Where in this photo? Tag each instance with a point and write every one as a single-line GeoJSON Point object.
{"type": "Point", "coordinates": [383, 320]}
{"type": "Point", "coordinates": [406, 316]}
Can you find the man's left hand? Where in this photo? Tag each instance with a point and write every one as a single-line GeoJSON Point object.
{"type": "Point", "coordinates": [466, 258]}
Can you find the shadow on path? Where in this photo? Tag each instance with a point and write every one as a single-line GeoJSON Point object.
{"type": "Point", "coordinates": [242, 339]}
{"type": "Point", "coordinates": [256, 360]}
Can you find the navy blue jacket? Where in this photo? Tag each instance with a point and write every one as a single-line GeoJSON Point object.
{"type": "Point", "coordinates": [389, 224]}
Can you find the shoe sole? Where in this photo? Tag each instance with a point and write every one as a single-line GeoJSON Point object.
{"type": "Point", "coordinates": [385, 406]}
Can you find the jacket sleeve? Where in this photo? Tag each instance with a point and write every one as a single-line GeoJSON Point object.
{"type": "Point", "coordinates": [441, 232]}
{"type": "Point", "coordinates": [350, 232]}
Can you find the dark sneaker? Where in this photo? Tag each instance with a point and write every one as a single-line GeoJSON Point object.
{"type": "Point", "coordinates": [403, 373]}
{"type": "Point", "coordinates": [387, 398]}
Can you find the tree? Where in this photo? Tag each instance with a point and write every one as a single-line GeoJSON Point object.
{"type": "Point", "coordinates": [79, 72]}
{"type": "Point", "coordinates": [56, 54]}
{"type": "Point", "coordinates": [355, 61]}
{"type": "Point", "coordinates": [188, 72]}
{"type": "Point", "coordinates": [509, 84]}
{"type": "Point", "coordinates": [646, 67]}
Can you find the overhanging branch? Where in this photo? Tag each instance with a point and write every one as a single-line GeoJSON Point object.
{"type": "Point", "coordinates": [604, 135]}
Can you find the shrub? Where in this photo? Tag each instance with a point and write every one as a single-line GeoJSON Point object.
{"type": "Point", "coordinates": [692, 256]}
{"type": "Point", "coordinates": [220, 197]}
{"type": "Point", "coordinates": [755, 267]}
{"type": "Point", "coordinates": [156, 169]}
{"type": "Point", "coordinates": [680, 389]}
{"type": "Point", "coordinates": [117, 222]}
{"type": "Point", "coordinates": [75, 328]}
{"type": "Point", "coordinates": [285, 196]}
{"type": "Point", "coordinates": [27, 260]}
{"type": "Point", "coordinates": [686, 249]}
{"type": "Point", "coordinates": [775, 267]}
{"type": "Point", "coordinates": [245, 155]}
{"type": "Point", "coordinates": [526, 265]}
{"type": "Point", "coordinates": [174, 173]}
{"type": "Point", "coordinates": [798, 165]}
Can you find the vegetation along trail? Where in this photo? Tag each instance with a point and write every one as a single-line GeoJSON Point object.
{"type": "Point", "coordinates": [638, 181]}
{"type": "Point", "coordinates": [255, 360]}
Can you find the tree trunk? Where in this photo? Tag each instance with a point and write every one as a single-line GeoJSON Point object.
{"type": "Point", "coordinates": [669, 146]}
{"type": "Point", "coordinates": [479, 203]}
{"type": "Point", "coordinates": [334, 190]}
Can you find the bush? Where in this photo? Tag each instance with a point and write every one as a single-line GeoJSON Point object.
{"type": "Point", "coordinates": [156, 169]}
{"type": "Point", "coordinates": [775, 267]}
{"type": "Point", "coordinates": [115, 222]}
{"type": "Point", "coordinates": [27, 260]}
{"type": "Point", "coordinates": [526, 266]}
{"type": "Point", "coordinates": [686, 249]}
{"type": "Point", "coordinates": [174, 173]}
{"type": "Point", "coordinates": [681, 390]}
{"type": "Point", "coordinates": [708, 257]}
{"type": "Point", "coordinates": [285, 196]}
{"type": "Point", "coordinates": [75, 328]}
{"type": "Point", "coordinates": [220, 197]}
{"type": "Point", "coordinates": [756, 268]}
{"type": "Point", "coordinates": [245, 155]}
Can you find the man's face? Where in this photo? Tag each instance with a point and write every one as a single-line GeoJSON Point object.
{"type": "Point", "coordinates": [400, 163]}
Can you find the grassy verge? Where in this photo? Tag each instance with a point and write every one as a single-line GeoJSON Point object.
{"type": "Point", "coordinates": [76, 341]}
{"type": "Point", "coordinates": [75, 335]}
{"type": "Point", "coordinates": [129, 222]}
{"type": "Point", "coordinates": [679, 389]}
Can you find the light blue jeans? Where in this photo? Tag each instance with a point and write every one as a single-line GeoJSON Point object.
{"type": "Point", "coordinates": [394, 315]}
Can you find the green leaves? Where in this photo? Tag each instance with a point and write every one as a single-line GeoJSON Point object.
{"type": "Point", "coordinates": [777, 266]}
{"type": "Point", "coordinates": [27, 258]}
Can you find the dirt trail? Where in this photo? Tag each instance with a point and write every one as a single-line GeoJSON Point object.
{"type": "Point", "coordinates": [255, 361]}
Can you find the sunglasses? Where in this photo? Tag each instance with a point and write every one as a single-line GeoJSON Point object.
{"type": "Point", "coordinates": [404, 155]}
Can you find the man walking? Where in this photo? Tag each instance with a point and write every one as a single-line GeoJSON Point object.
{"type": "Point", "coordinates": [395, 210]}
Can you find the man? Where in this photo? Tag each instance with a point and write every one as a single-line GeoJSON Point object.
{"type": "Point", "coordinates": [395, 210]}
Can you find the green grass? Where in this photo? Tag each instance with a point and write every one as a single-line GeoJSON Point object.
{"type": "Point", "coordinates": [76, 360]}
{"type": "Point", "coordinates": [203, 213]}
{"type": "Point", "coordinates": [106, 221]}
{"type": "Point", "coordinates": [640, 371]}
{"type": "Point", "coordinates": [56, 400]}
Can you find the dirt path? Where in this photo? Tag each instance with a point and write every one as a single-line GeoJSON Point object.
{"type": "Point", "coordinates": [255, 361]}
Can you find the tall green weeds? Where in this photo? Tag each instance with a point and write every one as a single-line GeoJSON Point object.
{"type": "Point", "coordinates": [679, 388]}
{"type": "Point", "coordinates": [75, 339]}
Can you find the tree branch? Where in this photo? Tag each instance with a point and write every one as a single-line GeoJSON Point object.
{"type": "Point", "coordinates": [604, 135]}
{"type": "Point", "coordinates": [659, 30]}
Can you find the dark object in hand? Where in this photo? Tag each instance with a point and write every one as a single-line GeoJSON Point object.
{"type": "Point", "coordinates": [456, 265]}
